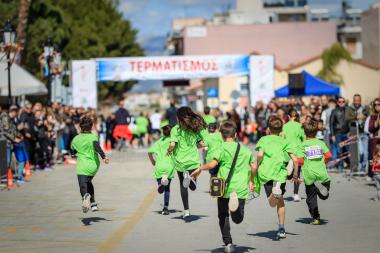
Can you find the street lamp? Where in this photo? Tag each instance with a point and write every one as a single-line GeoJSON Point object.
{"type": "Point", "coordinates": [9, 36]}
{"type": "Point", "coordinates": [48, 55]}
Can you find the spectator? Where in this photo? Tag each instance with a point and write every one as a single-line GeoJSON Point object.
{"type": "Point", "coordinates": [339, 129]}
{"type": "Point", "coordinates": [155, 120]}
{"type": "Point", "coordinates": [373, 129]}
{"type": "Point", "coordinates": [356, 116]}
{"type": "Point", "coordinates": [8, 128]}
{"type": "Point", "coordinates": [326, 115]}
{"type": "Point", "coordinates": [171, 114]}
{"type": "Point", "coordinates": [21, 155]}
{"type": "Point", "coordinates": [122, 134]}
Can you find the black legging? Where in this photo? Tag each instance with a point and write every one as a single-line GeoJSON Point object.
{"type": "Point", "coordinates": [85, 186]}
{"type": "Point", "coordinates": [224, 218]}
{"type": "Point", "coordinates": [312, 194]}
{"type": "Point", "coordinates": [184, 191]}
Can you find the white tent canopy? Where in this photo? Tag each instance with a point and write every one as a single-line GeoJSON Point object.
{"type": "Point", "coordinates": [22, 82]}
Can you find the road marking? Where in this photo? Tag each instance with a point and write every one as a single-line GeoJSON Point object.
{"type": "Point", "coordinates": [116, 237]}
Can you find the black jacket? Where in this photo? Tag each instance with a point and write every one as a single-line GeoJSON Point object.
{"type": "Point", "coordinates": [338, 122]}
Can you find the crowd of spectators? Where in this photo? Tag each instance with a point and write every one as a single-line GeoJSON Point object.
{"type": "Point", "coordinates": [40, 135]}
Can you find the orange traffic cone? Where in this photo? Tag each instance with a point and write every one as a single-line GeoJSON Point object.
{"type": "Point", "coordinates": [10, 183]}
{"type": "Point", "coordinates": [70, 161]}
{"type": "Point", "coordinates": [28, 172]}
{"type": "Point", "coordinates": [108, 146]}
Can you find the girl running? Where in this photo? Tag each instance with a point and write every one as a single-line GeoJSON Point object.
{"type": "Point", "coordinates": [186, 137]}
{"type": "Point", "coordinates": [163, 166]}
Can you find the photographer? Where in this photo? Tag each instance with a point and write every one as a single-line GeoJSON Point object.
{"type": "Point", "coordinates": [373, 129]}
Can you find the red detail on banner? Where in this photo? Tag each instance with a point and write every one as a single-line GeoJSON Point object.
{"type": "Point", "coordinates": [207, 65]}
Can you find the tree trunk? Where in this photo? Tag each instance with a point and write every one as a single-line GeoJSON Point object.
{"type": "Point", "coordinates": [22, 21]}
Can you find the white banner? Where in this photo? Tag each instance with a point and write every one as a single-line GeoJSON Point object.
{"type": "Point", "coordinates": [171, 67]}
{"type": "Point", "coordinates": [261, 78]}
{"type": "Point", "coordinates": [83, 81]}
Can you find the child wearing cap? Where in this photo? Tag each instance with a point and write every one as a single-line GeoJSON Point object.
{"type": "Point", "coordinates": [274, 153]}
{"type": "Point", "coordinates": [241, 181]}
{"type": "Point", "coordinates": [163, 165]}
{"type": "Point", "coordinates": [313, 155]}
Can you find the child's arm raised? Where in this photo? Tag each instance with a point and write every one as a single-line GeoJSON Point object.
{"type": "Point", "coordinates": [207, 166]}
{"type": "Point", "coordinates": [151, 158]}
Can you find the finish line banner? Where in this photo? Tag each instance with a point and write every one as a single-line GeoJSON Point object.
{"type": "Point", "coordinates": [171, 68]}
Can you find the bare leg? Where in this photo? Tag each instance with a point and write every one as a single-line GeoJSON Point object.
{"type": "Point", "coordinates": [281, 211]}
{"type": "Point", "coordinates": [272, 201]}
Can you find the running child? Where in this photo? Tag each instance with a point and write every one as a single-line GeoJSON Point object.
{"type": "Point", "coordinates": [163, 165]}
{"type": "Point", "coordinates": [274, 152]}
{"type": "Point", "coordinates": [237, 190]}
{"type": "Point", "coordinates": [376, 171]}
{"type": "Point", "coordinates": [186, 137]}
{"type": "Point", "coordinates": [213, 141]}
{"type": "Point", "coordinates": [86, 145]}
{"type": "Point", "coordinates": [292, 131]}
{"type": "Point", "coordinates": [313, 155]}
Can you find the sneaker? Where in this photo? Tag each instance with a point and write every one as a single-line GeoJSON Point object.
{"type": "Point", "coordinates": [315, 222]}
{"type": "Point", "coordinates": [375, 199]}
{"type": "Point", "coordinates": [296, 198]}
{"type": "Point", "coordinates": [322, 189]}
{"type": "Point", "coordinates": [94, 207]}
{"type": "Point", "coordinates": [165, 180]}
{"type": "Point", "coordinates": [86, 203]}
{"type": "Point", "coordinates": [281, 234]}
{"type": "Point", "coordinates": [186, 214]}
{"type": "Point", "coordinates": [276, 190]}
{"type": "Point", "coordinates": [165, 211]}
{"type": "Point", "coordinates": [20, 181]}
{"type": "Point", "coordinates": [229, 248]}
{"type": "Point", "coordinates": [368, 179]}
{"type": "Point", "coordinates": [193, 184]}
{"type": "Point", "coordinates": [186, 179]}
{"type": "Point", "coordinates": [161, 188]}
{"type": "Point", "coordinates": [233, 203]}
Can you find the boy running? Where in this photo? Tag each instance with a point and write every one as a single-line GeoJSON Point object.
{"type": "Point", "coordinates": [213, 141]}
{"type": "Point", "coordinates": [274, 152]}
{"type": "Point", "coordinates": [163, 165]}
{"type": "Point", "coordinates": [237, 191]}
{"type": "Point", "coordinates": [86, 145]}
{"type": "Point", "coordinates": [313, 155]}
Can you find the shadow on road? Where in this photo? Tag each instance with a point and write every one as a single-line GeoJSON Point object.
{"type": "Point", "coordinates": [308, 220]}
{"type": "Point", "coordinates": [191, 218]}
{"type": "Point", "coordinates": [272, 234]}
{"type": "Point", "coordinates": [170, 211]}
{"type": "Point", "coordinates": [90, 220]}
{"type": "Point", "coordinates": [239, 249]}
{"type": "Point", "coordinates": [290, 199]}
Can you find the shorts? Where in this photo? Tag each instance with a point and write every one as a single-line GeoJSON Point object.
{"type": "Point", "coordinates": [269, 185]}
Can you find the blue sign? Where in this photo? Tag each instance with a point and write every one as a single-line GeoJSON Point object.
{"type": "Point", "coordinates": [212, 92]}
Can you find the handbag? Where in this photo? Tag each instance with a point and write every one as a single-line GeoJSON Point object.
{"type": "Point", "coordinates": [218, 185]}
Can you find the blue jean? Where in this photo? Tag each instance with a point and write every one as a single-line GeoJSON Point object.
{"type": "Point", "coordinates": [376, 178]}
{"type": "Point", "coordinates": [20, 171]}
{"type": "Point", "coordinates": [363, 150]}
{"type": "Point", "coordinates": [9, 156]}
{"type": "Point", "coordinates": [336, 150]}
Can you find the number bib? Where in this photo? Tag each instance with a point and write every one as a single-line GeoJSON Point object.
{"type": "Point", "coordinates": [313, 152]}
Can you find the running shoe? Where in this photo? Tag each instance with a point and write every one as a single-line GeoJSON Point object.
{"type": "Point", "coordinates": [281, 234]}
{"type": "Point", "coordinates": [86, 203]}
{"type": "Point", "coordinates": [233, 203]}
{"type": "Point", "coordinates": [161, 188]}
{"type": "Point", "coordinates": [193, 184]}
{"type": "Point", "coordinates": [321, 188]}
{"type": "Point", "coordinates": [186, 179]}
{"type": "Point", "coordinates": [94, 207]}
{"type": "Point", "coordinates": [186, 214]}
{"type": "Point", "coordinates": [165, 211]}
{"type": "Point", "coordinates": [229, 248]}
{"type": "Point", "coordinates": [276, 190]}
{"type": "Point", "coordinates": [165, 180]}
{"type": "Point", "coordinates": [20, 181]}
{"type": "Point", "coordinates": [296, 198]}
{"type": "Point", "coordinates": [315, 222]}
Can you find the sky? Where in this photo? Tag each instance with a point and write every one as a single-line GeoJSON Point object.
{"type": "Point", "coordinates": [152, 18]}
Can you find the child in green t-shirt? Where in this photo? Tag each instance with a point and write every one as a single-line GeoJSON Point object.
{"type": "Point", "coordinates": [186, 137]}
{"type": "Point", "coordinates": [274, 152]}
{"type": "Point", "coordinates": [86, 145]}
{"type": "Point", "coordinates": [313, 154]}
{"type": "Point", "coordinates": [237, 191]}
{"type": "Point", "coordinates": [163, 165]}
{"type": "Point", "coordinates": [142, 125]}
{"type": "Point", "coordinates": [293, 132]}
{"type": "Point", "coordinates": [213, 141]}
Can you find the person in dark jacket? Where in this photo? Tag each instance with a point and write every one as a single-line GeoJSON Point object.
{"type": "Point", "coordinates": [121, 132]}
{"type": "Point", "coordinates": [374, 130]}
{"type": "Point", "coordinates": [171, 114]}
{"type": "Point", "coordinates": [339, 129]}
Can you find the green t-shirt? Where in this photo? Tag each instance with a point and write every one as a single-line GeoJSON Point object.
{"type": "Point", "coordinates": [164, 164]}
{"type": "Point", "coordinates": [314, 168]}
{"type": "Point", "coordinates": [242, 172]}
{"type": "Point", "coordinates": [293, 133]}
{"type": "Point", "coordinates": [185, 155]}
{"type": "Point", "coordinates": [272, 166]}
{"type": "Point", "coordinates": [88, 160]}
{"type": "Point", "coordinates": [209, 119]}
{"type": "Point", "coordinates": [142, 124]}
{"type": "Point", "coordinates": [213, 142]}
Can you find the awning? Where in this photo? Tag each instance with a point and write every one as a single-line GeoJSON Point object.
{"type": "Point", "coordinates": [313, 87]}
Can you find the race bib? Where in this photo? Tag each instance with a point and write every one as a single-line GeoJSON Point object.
{"type": "Point", "coordinates": [313, 152]}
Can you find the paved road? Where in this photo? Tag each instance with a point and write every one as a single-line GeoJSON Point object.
{"type": "Point", "coordinates": [45, 216]}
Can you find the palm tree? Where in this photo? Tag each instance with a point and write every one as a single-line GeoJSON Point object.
{"type": "Point", "coordinates": [22, 21]}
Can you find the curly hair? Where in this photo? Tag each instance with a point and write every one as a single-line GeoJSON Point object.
{"type": "Point", "coordinates": [189, 120]}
